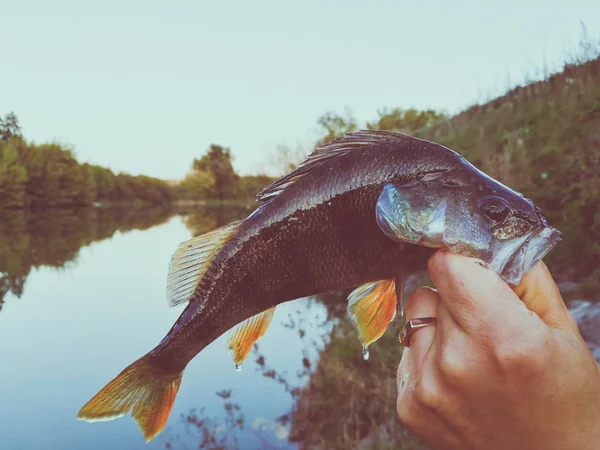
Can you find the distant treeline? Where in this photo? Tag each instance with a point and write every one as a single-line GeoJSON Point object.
{"type": "Point", "coordinates": [48, 175]}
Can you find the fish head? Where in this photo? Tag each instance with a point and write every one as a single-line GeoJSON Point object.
{"type": "Point", "coordinates": [471, 214]}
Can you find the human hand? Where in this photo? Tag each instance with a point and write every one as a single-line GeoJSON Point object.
{"type": "Point", "coordinates": [502, 369]}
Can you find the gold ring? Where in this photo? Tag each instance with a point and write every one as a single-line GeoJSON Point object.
{"type": "Point", "coordinates": [413, 325]}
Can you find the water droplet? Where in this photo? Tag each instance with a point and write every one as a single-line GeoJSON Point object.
{"type": "Point", "coordinates": [365, 353]}
{"type": "Point", "coordinates": [239, 367]}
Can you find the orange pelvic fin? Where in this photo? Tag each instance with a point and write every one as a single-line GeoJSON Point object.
{"type": "Point", "coordinates": [372, 307]}
{"type": "Point", "coordinates": [243, 336]}
{"type": "Point", "coordinates": [149, 391]}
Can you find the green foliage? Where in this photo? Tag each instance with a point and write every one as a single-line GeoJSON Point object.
{"type": "Point", "coordinates": [405, 121]}
{"type": "Point", "coordinates": [13, 175]}
{"type": "Point", "coordinates": [48, 175]}
{"type": "Point", "coordinates": [104, 183]}
{"type": "Point", "coordinates": [198, 184]}
{"type": "Point", "coordinates": [250, 185]}
{"type": "Point", "coordinates": [217, 162]}
{"type": "Point", "coordinates": [335, 125]}
{"type": "Point", "coordinates": [9, 127]}
{"type": "Point", "coordinates": [140, 188]}
{"type": "Point", "coordinates": [213, 178]}
{"type": "Point", "coordinates": [56, 179]}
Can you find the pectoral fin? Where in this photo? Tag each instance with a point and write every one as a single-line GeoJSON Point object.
{"type": "Point", "coordinates": [372, 307]}
{"type": "Point", "coordinates": [243, 336]}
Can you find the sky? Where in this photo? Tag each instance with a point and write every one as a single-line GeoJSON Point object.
{"type": "Point", "coordinates": [145, 87]}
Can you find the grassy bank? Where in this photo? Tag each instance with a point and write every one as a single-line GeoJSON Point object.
{"type": "Point", "coordinates": [542, 140]}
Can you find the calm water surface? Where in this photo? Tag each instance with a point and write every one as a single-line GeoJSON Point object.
{"type": "Point", "coordinates": [74, 328]}
{"type": "Point", "coordinates": [82, 296]}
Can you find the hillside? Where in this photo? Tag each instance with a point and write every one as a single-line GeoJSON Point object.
{"type": "Point", "coordinates": [543, 140]}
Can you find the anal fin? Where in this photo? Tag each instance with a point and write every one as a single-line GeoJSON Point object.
{"type": "Point", "coordinates": [243, 336]}
{"type": "Point", "coordinates": [372, 307]}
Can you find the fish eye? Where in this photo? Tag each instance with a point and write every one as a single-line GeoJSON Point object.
{"type": "Point", "coordinates": [495, 208]}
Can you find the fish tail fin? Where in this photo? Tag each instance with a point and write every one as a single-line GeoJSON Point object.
{"type": "Point", "coordinates": [149, 390]}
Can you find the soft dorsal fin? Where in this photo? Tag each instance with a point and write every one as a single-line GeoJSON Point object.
{"type": "Point", "coordinates": [243, 336]}
{"type": "Point", "coordinates": [190, 261]}
{"type": "Point", "coordinates": [325, 152]}
{"type": "Point", "coordinates": [372, 307]}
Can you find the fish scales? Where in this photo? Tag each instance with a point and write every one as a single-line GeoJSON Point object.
{"type": "Point", "coordinates": [362, 211]}
{"type": "Point", "coordinates": [318, 235]}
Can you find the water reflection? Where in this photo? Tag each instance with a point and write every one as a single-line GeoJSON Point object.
{"type": "Point", "coordinates": [232, 426]}
{"type": "Point", "coordinates": [207, 219]}
{"type": "Point", "coordinates": [53, 238]}
{"type": "Point", "coordinates": [304, 385]}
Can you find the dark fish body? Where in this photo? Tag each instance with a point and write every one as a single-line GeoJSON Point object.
{"type": "Point", "coordinates": [319, 234]}
{"type": "Point", "coordinates": [363, 210]}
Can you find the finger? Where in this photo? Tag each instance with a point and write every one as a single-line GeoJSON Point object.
{"type": "Point", "coordinates": [421, 303]}
{"type": "Point", "coordinates": [475, 295]}
{"type": "Point", "coordinates": [448, 329]}
{"type": "Point", "coordinates": [424, 422]}
{"type": "Point", "coordinates": [421, 407]}
{"type": "Point", "coordinates": [541, 295]}
{"type": "Point", "coordinates": [457, 356]}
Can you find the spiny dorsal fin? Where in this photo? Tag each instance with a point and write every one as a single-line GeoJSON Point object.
{"type": "Point", "coordinates": [190, 261]}
{"type": "Point", "coordinates": [243, 336]}
{"type": "Point", "coordinates": [325, 152]}
{"type": "Point", "coordinates": [372, 307]}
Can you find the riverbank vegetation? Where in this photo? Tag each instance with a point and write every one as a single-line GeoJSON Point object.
{"type": "Point", "coordinates": [542, 139]}
{"type": "Point", "coordinates": [49, 176]}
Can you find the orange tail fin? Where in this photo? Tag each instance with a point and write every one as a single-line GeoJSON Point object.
{"type": "Point", "coordinates": [148, 390]}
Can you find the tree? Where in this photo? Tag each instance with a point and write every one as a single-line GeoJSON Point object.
{"type": "Point", "coordinates": [9, 127]}
{"type": "Point", "coordinates": [217, 162]}
{"type": "Point", "coordinates": [336, 125]}
{"type": "Point", "coordinates": [250, 185]}
{"type": "Point", "coordinates": [407, 121]}
{"type": "Point", "coordinates": [13, 177]}
{"type": "Point", "coordinates": [199, 184]}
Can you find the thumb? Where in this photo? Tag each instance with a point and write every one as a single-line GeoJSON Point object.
{"type": "Point", "coordinates": [540, 294]}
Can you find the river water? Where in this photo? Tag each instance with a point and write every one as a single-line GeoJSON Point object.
{"type": "Point", "coordinates": [82, 295]}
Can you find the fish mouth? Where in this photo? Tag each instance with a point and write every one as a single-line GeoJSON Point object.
{"type": "Point", "coordinates": [528, 254]}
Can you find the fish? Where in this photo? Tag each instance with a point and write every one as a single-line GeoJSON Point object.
{"type": "Point", "coordinates": [362, 212]}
